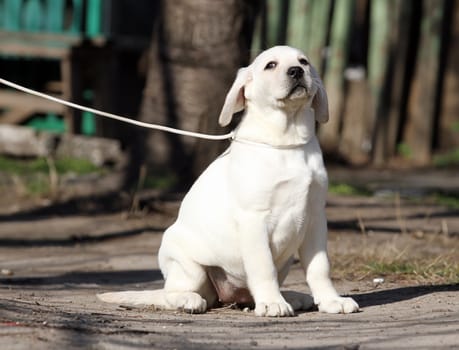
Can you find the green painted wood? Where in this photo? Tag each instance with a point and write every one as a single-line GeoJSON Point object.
{"type": "Point", "coordinates": [93, 18]}
{"type": "Point", "coordinates": [33, 15]}
{"type": "Point", "coordinates": [54, 15]}
{"type": "Point", "coordinates": [48, 16]}
{"type": "Point", "coordinates": [12, 14]}
{"type": "Point", "coordinates": [2, 14]}
{"type": "Point", "coordinates": [77, 17]}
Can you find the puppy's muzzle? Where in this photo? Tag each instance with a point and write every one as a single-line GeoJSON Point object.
{"type": "Point", "coordinates": [295, 72]}
{"type": "Point", "coordinates": [298, 86]}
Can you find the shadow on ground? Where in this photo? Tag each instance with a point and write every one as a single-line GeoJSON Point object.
{"type": "Point", "coordinates": [86, 278]}
{"type": "Point", "coordinates": [389, 296]}
{"type": "Point", "coordinates": [72, 240]}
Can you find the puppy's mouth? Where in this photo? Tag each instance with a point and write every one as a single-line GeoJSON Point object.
{"type": "Point", "coordinates": [298, 90]}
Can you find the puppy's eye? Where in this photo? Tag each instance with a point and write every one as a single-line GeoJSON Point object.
{"type": "Point", "coordinates": [304, 61]}
{"type": "Point", "coordinates": [271, 65]}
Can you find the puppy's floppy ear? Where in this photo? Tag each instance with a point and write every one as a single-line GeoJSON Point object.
{"type": "Point", "coordinates": [235, 100]}
{"type": "Point", "coordinates": [320, 100]}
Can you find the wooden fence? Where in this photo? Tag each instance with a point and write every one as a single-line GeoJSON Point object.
{"type": "Point", "coordinates": [390, 67]}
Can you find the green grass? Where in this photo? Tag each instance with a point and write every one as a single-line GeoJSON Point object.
{"type": "Point", "coordinates": [34, 174]}
{"type": "Point", "coordinates": [447, 159]}
{"type": "Point", "coordinates": [388, 268]}
{"type": "Point", "coordinates": [37, 185]}
{"type": "Point", "coordinates": [22, 167]}
{"type": "Point", "coordinates": [40, 165]}
{"type": "Point", "coordinates": [404, 150]}
{"type": "Point", "coordinates": [450, 201]}
{"type": "Point", "coordinates": [76, 166]}
{"type": "Point", "coordinates": [347, 190]}
{"type": "Point", "coordinates": [160, 182]}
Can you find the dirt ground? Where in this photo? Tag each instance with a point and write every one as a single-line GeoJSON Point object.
{"type": "Point", "coordinates": [54, 259]}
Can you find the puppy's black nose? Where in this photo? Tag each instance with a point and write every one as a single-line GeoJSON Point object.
{"type": "Point", "coordinates": [295, 72]}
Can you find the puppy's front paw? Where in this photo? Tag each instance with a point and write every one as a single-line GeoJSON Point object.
{"type": "Point", "coordinates": [338, 305]}
{"type": "Point", "coordinates": [274, 309]}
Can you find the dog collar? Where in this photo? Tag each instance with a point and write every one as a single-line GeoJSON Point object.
{"type": "Point", "coordinates": [266, 145]}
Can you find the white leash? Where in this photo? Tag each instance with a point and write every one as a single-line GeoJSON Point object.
{"type": "Point", "coordinates": [117, 117]}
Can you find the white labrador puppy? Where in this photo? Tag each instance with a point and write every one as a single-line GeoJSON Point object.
{"type": "Point", "coordinates": [257, 205]}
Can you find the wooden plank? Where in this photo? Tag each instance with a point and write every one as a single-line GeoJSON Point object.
{"type": "Point", "coordinates": [37, 45]}
{"type": "Point", "coordinates": [17, 115]}
{"type": "Point", "coordinates": [58, 39]}
{"type": "Point", "coordinates": [421, 106]}
{"type": "Point", "coordinates": [18, 49]}
{"type": "Point", "coordinates": [11, 99]}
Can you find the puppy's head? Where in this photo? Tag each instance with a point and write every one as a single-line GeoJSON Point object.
{"type": "Point", "coordinates": [280, 77]}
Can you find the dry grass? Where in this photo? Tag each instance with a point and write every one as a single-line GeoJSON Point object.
{"type": "Point", "coordinates": [391, 240]}
{"type": "Point", "coordinates": [402, 258]}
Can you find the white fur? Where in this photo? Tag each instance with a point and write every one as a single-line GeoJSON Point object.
{"type": "Point", "coordinates": [258, 204]}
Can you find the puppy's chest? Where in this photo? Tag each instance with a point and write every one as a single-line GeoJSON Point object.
{"type": "Point", "coordinates": [290, 184]}
{"type": "Point", "coordinates": [279, 184]}
{"type": "Point", "coordinates": [288, 213]}
{"type": "Point", "coordinates": [288, 203]}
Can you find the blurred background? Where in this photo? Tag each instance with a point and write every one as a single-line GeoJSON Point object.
{"type": "Point", "coordinates": [390, 68]}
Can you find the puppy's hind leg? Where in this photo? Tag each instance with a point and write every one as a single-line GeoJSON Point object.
{"type": "Point", "coordinates": [190, 291]}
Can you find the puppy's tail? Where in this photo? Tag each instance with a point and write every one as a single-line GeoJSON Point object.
{"type": "Point", "coordinates": [137, 298]}
{"type": "Point", "coordinates": [161, 300]}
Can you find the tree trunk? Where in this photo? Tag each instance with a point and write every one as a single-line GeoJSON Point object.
{"type": "Point", "coordinates": [449, 118]}
{"type": "Point", "coordinates": [378, 63]}
{"type": "Point", "coordinates": [197, 47]}
{"type": "Point", "coordinates": [421, 105]}
{"type": "Point", "coordinates": [334, 76]}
